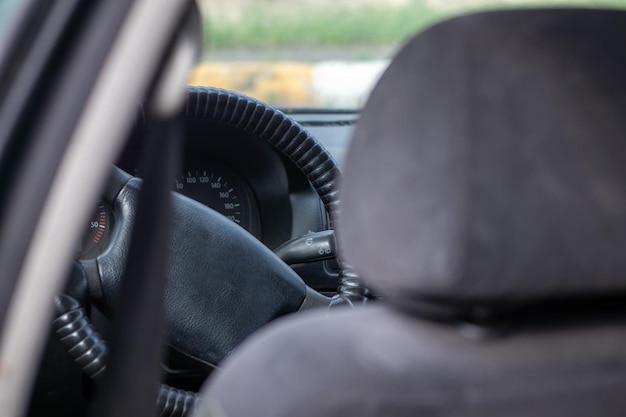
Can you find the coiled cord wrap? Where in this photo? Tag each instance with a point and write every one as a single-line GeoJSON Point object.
{"type": "Point", "coordinates": [76, 333]}
{"type": "Point", "coordinates": [350, 291]}
{"type": "Point", "coordinates": [90, 351]}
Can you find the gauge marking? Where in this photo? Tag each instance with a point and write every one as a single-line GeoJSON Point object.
{"type": "Point", "coordinates": [217, 188]}
{"type": "Point", "coordinates": [100, 226]}
{"type": "Point", "coordinates": [95, 239]}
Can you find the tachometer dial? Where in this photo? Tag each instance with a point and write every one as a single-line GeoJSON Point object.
{"type": "Point", "coordinates": [95, 239]}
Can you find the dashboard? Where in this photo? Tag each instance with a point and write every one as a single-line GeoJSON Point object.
{"type": "Point", "coordinates": [248, 181]}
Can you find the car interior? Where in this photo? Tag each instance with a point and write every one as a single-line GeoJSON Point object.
{"type": "Point", "coordinates": [454, 248]}
{"type": "Point", "coordinates": [482, 200]}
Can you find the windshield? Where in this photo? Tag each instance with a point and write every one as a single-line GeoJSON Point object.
{"type": "Point", "coordinates": [322, 54]}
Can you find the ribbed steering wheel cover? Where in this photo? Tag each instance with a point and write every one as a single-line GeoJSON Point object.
{"type": "Point", "coordinates": [275, 128]}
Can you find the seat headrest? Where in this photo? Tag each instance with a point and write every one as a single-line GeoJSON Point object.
{"type": "Point", "coordinates": [490, 161]}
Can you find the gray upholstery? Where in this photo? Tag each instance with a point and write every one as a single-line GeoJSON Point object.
{"type": "Point", "coordinates": [490, 161]}
{"type": "Point", "coordinates": [487, 175]}
{"type": "Point", "coordinates": [377, 362]}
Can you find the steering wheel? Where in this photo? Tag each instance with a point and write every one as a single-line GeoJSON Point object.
{"type": "Point", "coordinates": [223, 283]}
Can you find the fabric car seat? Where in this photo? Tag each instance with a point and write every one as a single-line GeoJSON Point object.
{"type": "Point", "coordinates": [484, 202]}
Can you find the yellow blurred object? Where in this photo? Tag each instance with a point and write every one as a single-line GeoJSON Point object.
{"type": "Point", "coordinates": [283, 84]}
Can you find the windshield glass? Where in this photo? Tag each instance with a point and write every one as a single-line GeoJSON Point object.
{"type": "Point", "coordinates": [323, 54]}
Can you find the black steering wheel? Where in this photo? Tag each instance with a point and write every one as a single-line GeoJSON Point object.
{"type": "Point", "coordinates": [223, 283]}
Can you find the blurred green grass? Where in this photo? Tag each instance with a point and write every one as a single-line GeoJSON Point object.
{"type": "Point", "coordinates": [266, 27]}
{"type": "Point", "coordinates": [274, 24]}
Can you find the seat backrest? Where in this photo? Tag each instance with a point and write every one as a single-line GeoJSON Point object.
{"type": "Point", "coordinates": [484, 199]}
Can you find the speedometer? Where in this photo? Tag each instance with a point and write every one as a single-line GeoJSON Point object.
{"type": "Point", "coordinates": [213, 190]}
{"type": "Point", "coordinates": [218, 187]}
